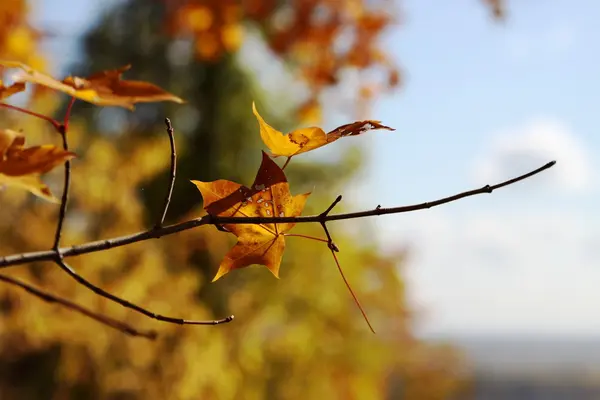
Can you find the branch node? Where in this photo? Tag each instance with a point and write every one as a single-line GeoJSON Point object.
{"type": "Point", "coordinates": [323, 220]}
{"type": "Point", "coordinates": [332, 246]}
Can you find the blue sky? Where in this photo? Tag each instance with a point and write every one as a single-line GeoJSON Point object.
{"type": "Point", "coordinates": [482, 102]}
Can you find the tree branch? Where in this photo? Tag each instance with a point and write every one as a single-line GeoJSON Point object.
{"type": "Point", "coordinates": [51, 298]}
{"type": "Point", "coordinates": [101, 245]}
{"type": "Point", "coordinates": [71, 272]}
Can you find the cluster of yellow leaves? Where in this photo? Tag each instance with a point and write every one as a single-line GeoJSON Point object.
{"type": "Point", "coordinates": [269, 195]}
{"type": "Point", "coordinates": [214, 24]}
{"type": "Point", "coordinates": [21, 166]}
{"type": "Point", "coordinates": [305, 32]}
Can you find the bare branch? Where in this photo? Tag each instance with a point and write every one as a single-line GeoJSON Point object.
{"type": "Point", "coordinates": [71, 272]}
{"type": "Point", "coordinates": [63, 129]}
{"type": "Point", "coordinates": [51, 298]}
{"type": "Point", "coordinates": [173, 173]}
{"type": "Point", "coordinates": [65, 196]}
{"type": "Point", "coordinates": [106, 244]}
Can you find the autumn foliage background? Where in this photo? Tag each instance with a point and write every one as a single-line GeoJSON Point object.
{"type": "Point", "coordinates": [297, 337]}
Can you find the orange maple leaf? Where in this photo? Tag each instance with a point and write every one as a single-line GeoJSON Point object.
{"type": "Point", "coordinates": [104, 88]}
{"type": "Point", "coordinates": [22, 167]}
{"type": "Point", "coordinates": [269, 196]}
{"type": "Point", "coordinates": [306, 139]}
{"type": "Point", "coordinates": [6, 91]}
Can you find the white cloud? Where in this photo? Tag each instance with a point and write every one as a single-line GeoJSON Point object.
{"type": "Point", "coordinates": [501, 272]}
{"type": "Point", "coordinates": [515, 150]}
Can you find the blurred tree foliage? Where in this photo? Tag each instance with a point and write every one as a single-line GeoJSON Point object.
{"type": "Point", "coordinates": [298, 337]}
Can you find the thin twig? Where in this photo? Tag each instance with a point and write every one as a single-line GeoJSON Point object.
{"type": "Point", "coordinates": [106, 244]}
{"type": "Point", "coordinates": [335, 202]}
{"type": "Point", "coordinates": [51, 298]}
{"type": "Point", "coordinates": [54, 122]}
{"type": "Point", "coordinates": [71, 272]}
{"type": "Point", "coordinates": [172, 175]}
{"type": "Point", "coordinates": [62, 213]}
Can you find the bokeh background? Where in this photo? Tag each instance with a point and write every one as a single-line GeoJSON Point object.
{"type": "Point", "coordinates": [491, 296]}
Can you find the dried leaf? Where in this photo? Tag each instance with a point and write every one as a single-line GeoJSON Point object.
{"type": "Point", "coordinates": [306, 139]}
{"type": "Point", "coordinates": [22, 167]}
{"type": "Point", "coordinates": [105, 88]}
{"type": "Point", "coordinates": [269, 196]}
{"type": "Point", "coordinates": [7, 91]}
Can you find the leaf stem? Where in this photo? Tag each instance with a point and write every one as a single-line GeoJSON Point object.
{"type": "Point", "coordinates": [305, 237]}
{"type": "Point", "coordinates": [52, 121]}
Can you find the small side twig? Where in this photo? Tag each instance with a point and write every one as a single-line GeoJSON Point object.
{"type": "Point", "coordinates": [71, 272]}
{"type": "Point", "coordinates": [51, 298]}
{"type": "Point", "coordinates": [172, 175]}
{"type": "Point", "coordinates": [63, 129]}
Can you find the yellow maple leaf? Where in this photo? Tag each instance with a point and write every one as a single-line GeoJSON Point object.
{"type": "Point", "coordinates": [269, 196]}
{"type": "Point", "coordinates": [104, 88]}
{"type": "Point", "coordinates": [306, 139]}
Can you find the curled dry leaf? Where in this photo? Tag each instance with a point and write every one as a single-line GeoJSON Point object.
{"type": "Point", "coordinates": [105, 88]}
{"type": "Point", "coordinates": [6, 91]}
{"type": "Point", "coordinates": [269, 196]}
{"type": "Point", "coordinates": [22, 167]}
{"type": "Point", "coordinates": [306, 139]}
